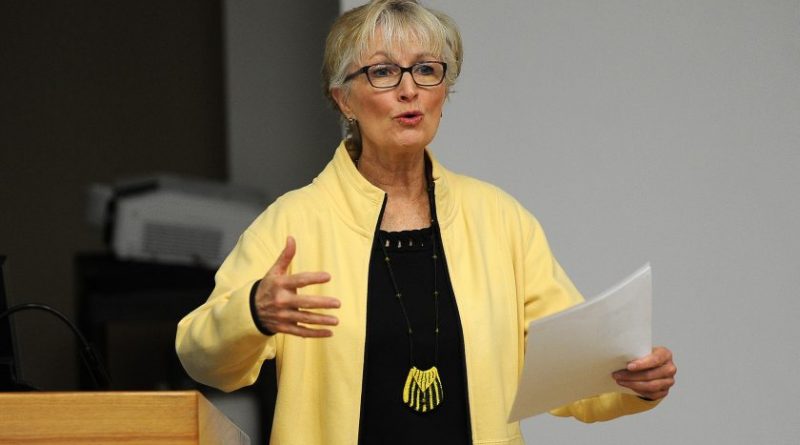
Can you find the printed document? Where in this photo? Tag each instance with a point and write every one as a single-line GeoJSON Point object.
{"type": "Point", "coordinates": [572, 354]}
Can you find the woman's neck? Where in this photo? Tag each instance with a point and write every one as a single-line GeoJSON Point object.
{"type": "Point", "coordinates": [402, 177]}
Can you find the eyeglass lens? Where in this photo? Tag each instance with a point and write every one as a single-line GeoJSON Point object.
{"type": "Point", "coordinates": [389, 75]}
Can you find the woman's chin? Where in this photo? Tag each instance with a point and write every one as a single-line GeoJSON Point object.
{"type": "Point", "coordinates": [412, 146]}
{"type": "Point", "coordinates": [413, 140]}
{"type": "Point", "coordinates": [408, 141]}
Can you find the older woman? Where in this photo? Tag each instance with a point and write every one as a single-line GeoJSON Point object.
{"type": "Point", "coordinates": [399, 315]}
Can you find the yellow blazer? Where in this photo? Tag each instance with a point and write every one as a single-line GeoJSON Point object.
{"type": "Point", "coordinates": [503, 276]}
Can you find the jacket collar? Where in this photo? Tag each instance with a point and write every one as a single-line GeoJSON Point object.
{"type": "Point", "coordinates": [359, 203]}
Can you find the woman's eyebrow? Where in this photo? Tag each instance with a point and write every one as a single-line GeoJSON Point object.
{"type": "Point", "coordinates": [422, 56]}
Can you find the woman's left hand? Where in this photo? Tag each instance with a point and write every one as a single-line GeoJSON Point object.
{"type": "Point", "coordinates": [650, 376]}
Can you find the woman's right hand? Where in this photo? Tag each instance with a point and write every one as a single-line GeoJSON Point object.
{"type": "Point", "coordinates": [279, 308]}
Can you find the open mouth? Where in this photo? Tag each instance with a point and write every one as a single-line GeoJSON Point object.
{"type": "Point", "coordinates": [410, 117]}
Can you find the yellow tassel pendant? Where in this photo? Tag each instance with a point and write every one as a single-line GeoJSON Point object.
{"type": "Point", "coordinates": [423, 391]}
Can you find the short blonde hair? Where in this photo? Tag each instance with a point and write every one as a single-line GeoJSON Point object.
{"type": "Point", "coordinates": [399, 21]}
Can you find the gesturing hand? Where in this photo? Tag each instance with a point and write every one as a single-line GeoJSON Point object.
{"type": "Point", "coordinates": [650, 376]}
{"type": "Point", "coordinates": [280, 308]}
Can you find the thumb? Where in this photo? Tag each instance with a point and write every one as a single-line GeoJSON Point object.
{"type": "Point", "coordinates": [285, 258]}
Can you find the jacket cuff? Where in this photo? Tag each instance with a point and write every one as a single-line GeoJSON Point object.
{"type": "Point", "coordinates": [254, 313]}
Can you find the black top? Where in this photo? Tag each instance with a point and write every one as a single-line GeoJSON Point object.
{"type": "Point", "coordinates": [385, 419]}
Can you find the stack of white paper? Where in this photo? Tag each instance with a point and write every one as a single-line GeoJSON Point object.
{"type": "Point", "coordinates": [572, 354]}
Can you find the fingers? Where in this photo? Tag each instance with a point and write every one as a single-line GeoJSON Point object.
{"type": "Point", "coordinates": [285, 311]}
{"type": "Point", "coordinates": [285, 258]}
{"type": "Point", "coordinates": [651, 376]}
{"type": "Point", "coordinates": [658, 357]}
{"type": "Point", "coordinates": [281, 266]}
{"type": "Point", "coordinates": [280, 309]}
{"type": "Point", "coordinates": [654, 389]}
{"type": "Point", "coordinates": [666, 370]}
{"type": "Point", "coordinates": [286, 321]}
{"type": "Point", "coordinates": [287, 300]}
{"type": "Point", "coordinates": [292, 311]}
{"type": "Point", "coordinates": [315, 302]}
{"type": "Point", "coordinates": [302, 279]}
{"type": "Point", "coordinates": [293, 316]}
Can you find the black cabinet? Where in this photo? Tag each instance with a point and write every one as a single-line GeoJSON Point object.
{"type": "Point", "coordinates": [129, 311]}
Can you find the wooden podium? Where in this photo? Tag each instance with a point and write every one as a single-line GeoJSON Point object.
{"type": "Point", "coordinates": [169, 417]}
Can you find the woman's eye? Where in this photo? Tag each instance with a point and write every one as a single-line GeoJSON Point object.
{"type": "Point", "coordinates": [424, 69]}
{"type": "Point", "coordinates": [381, 71]}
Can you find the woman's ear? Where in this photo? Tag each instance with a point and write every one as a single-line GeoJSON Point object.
{"type": "Point", "coordinates": [339, 96]}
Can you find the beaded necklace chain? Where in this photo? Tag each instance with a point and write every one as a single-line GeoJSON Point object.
{"type": "Point", "coordinates": [423, 390]}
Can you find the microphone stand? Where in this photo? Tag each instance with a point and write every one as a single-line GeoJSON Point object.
{"type": "Point", "coordinates": [90, 358]}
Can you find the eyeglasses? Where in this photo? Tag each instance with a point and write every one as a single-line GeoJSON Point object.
{"type": "Point", "coordinates": [389, 75]}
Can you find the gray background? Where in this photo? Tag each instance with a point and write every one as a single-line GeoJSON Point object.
{"type": "Point", "coordinates": [280, 131]}
{"type": "Point", "coordinates": [661, 131]}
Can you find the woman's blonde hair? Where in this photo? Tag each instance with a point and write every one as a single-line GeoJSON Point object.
{"type": "Point", "coordinates": [399, 22]}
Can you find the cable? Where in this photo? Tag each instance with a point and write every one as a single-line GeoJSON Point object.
{"type": "Point", "coordinates": [93, 363]}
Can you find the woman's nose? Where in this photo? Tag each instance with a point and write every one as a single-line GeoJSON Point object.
{"type": "Point", "coordinates": [407, 89]}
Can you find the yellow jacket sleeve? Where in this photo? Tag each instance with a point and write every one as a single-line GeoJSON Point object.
{"type": "Point", "coordinates": [604, 407]}
{"type": "Point", "coordinates": [218, 343]}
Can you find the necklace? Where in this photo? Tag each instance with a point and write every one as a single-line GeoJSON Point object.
{"type": "Point", "coordinates": [423, 391]}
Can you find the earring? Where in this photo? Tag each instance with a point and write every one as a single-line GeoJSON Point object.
{"type": "Point", "coordinates": [351, 121]}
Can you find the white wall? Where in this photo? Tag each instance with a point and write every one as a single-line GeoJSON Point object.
{"type": "Point", "coordinates": [662, 131]}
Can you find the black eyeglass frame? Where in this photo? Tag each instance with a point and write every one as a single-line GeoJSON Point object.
{"type": "Point", "coordinates": [403, 69]}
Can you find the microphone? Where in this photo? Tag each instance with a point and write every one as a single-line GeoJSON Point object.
{"type": "Point", "coordinates": [89, 356]}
